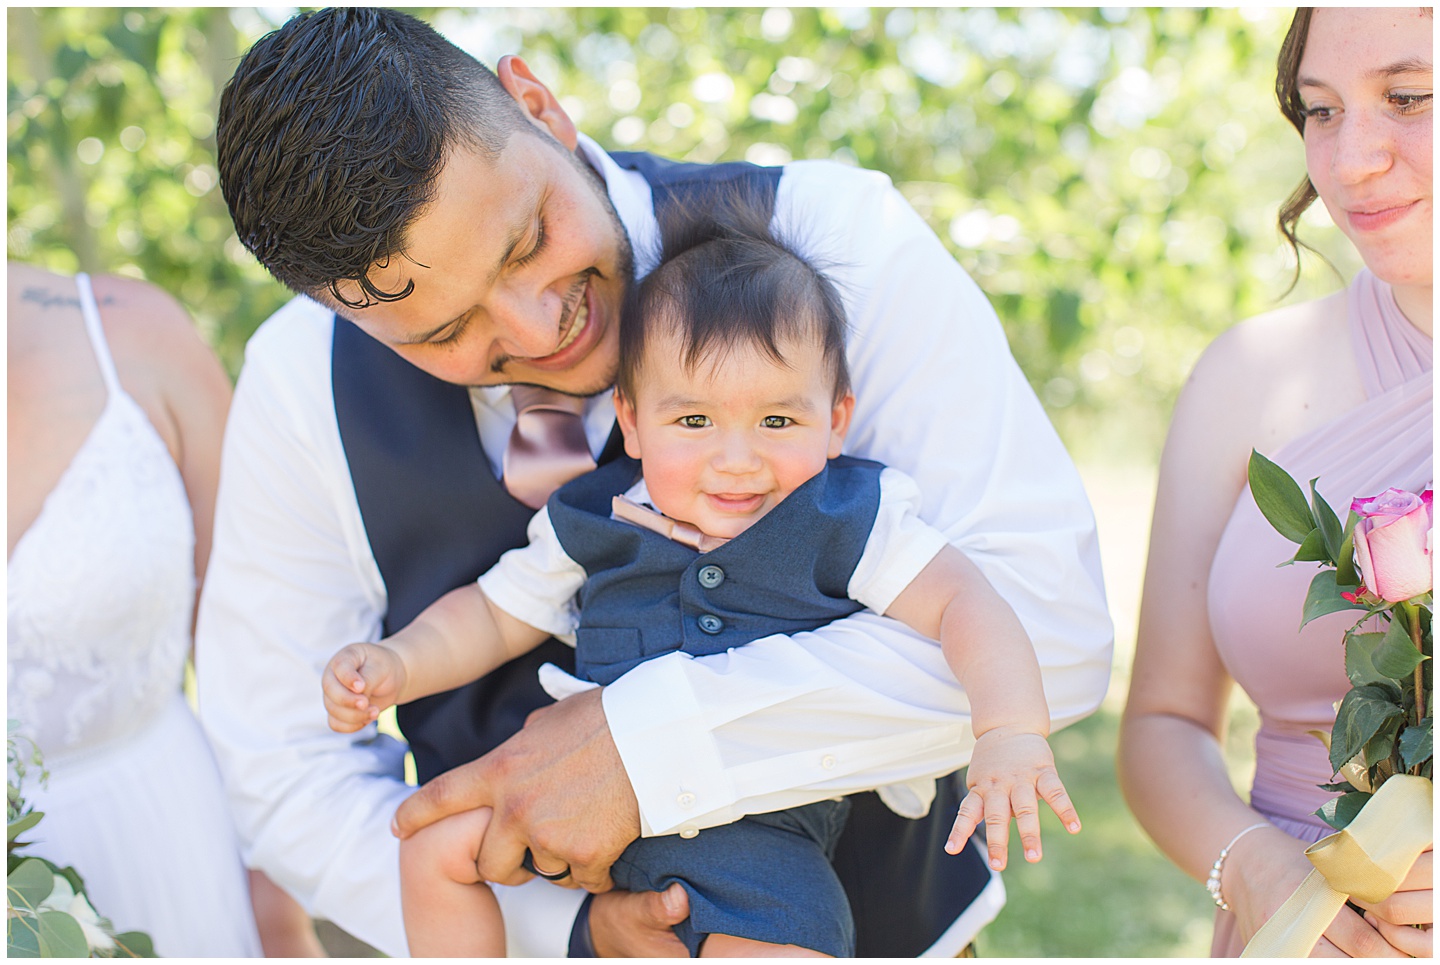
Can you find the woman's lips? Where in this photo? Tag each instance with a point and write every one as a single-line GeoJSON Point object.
{"type": "Point", "coordinates": [1378, 218]}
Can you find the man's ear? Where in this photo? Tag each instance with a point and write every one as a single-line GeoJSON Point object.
{"type": "Point", "coordinates": [840, 423]}
{"type": "Point", "coordinates": [625, 415]}
{"type": "Point", "coordinates": [536, 100]}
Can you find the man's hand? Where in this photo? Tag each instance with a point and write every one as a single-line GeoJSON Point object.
{"type": "Point", "coordinates": [558, 787]}
{"type": "Point", "coordinates": [636, 924]}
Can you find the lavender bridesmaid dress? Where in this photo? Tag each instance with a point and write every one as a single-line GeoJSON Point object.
{"type": "Point", "coordinates": [1295, 679]}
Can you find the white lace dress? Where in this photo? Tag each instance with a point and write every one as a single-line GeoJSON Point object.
{"type": "Point", "coordinates": [101, 588]}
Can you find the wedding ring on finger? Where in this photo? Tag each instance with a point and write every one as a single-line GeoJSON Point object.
{"type": "Point", "coordinates": [528, 863]}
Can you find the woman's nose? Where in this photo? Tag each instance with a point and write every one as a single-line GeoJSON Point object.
{"type": "Point", "coordinates": [1362, 147]}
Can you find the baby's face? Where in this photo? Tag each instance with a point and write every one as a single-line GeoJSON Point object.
{"type": "Point", "coordinates": [722, 446]}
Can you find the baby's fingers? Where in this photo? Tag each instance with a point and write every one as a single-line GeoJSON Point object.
{"type": "Point", "coordinates": [997, 827]}
{"type": "Point", "coordinates": [1027, 819]}
{"type": "Point", "coordinates": [1053, 791]}
{"type": "Point", "coordinates": [967, 819]}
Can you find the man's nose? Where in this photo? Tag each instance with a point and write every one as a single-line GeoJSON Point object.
{"type": "Point", "coordinates": [527, 323]}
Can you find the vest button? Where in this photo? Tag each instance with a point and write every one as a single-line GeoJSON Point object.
{"type": "Point", "coordinates": [711, 576]}
{"type": "Point", "coordinates": [711, 624]}
{"type": "Point", "coordinates": [689, 831]}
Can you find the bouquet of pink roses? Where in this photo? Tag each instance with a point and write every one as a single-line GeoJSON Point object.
{"type": "Point", "coordinates": [1378, 562]}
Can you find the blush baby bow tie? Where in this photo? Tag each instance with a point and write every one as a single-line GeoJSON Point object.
{"type": "Point", "coordinates": [547, 447]}
{"type": "Point", "coordinates": [630, 511]}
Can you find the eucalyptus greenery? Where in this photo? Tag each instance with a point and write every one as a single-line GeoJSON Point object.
{"type": "Point", "coordinates": [48, 914]}
{"type": "Point", "coordinates": [1383, 725]}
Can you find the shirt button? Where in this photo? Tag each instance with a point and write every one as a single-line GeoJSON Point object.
{"type": "Point", "coordinates": [686, 800]}
{"type": "Point", "coordinates": [828, 762]}
{"type": "Point", "coordinates": [689, 831]}
{"type": "Point", "coordinates": [711, 624]}
{"type": "Point", "coordinates": [711, 576]}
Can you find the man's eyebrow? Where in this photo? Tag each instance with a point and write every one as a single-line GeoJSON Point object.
{"type": "Point", "coordinates": [512, 239]}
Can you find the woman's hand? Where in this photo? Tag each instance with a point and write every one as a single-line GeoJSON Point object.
{"type": "Point", "coordinates": [1412, 904]}
{"type": "Point", "coordinates": [1265, 868]}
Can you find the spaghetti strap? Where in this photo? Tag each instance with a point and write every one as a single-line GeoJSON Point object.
{"type": "Point", "coordinates": [91, 311]}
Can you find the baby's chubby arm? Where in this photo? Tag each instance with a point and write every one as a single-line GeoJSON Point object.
{"type": "Point", "coordinates": [460, 637]}
{"type": "Point", "coordinates": [1012, 767]}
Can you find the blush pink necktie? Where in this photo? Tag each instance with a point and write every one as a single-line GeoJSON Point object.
{"type": "Point", "coordinates": [629, 511]}
{"type": "Point", "coordinates": [547, 447]}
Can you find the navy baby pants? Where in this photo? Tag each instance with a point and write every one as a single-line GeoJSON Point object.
{"type": "Point", "coordinates": [766, 877]}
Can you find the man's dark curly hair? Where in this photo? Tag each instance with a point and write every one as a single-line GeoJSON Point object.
{"type": "Point", "coordinates": [331, 135]}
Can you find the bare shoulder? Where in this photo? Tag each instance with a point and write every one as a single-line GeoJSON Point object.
{"type": "Point", "coordinates": [160, 357]}
{"type": "Point", "coordinates": [1275, 376]}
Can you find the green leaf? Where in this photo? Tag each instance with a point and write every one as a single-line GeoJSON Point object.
{"type": "Point", "coordinates": [1338, 813]}
{"type": "Point", "coordinates": [1363, 712]}
{"type": "Point", "coordinates": [1382, 745]}
{"type": "Point", "coordinates": [1360, 659]}
{"type": "Point", "coordinates": [1345, 572]}
{"type": "Point", "coordinates": [61, 936]}
{"type": "Point", "coordinates": [1312, 550]}
{"type": "Point", "coordinates": [22, 939]}
{"type": "Point", "coordinates": [1396, 656]}
{"type": "Point", "coordinates": [1416, 745]}
{"type": "Point", "coordinates": [1324, 598]}
{"type": "Point", "coordinates": [1328, 522]}
{"type": "Point", "coordinates": [134, 944]}
{"type": "Point", "coordinates": [24, 823]}
{"type": "Point", "coordinates": [1280, 499]}
{"type": "Point", "coordinates": [30, 883]}
{"type": "Point", "coordinates": [1337, 786]}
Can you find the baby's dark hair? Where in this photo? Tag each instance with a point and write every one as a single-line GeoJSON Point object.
{"type": "Point", "coordinates": [727, 281]}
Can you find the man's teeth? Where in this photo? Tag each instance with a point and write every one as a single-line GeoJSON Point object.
{"type": "Point", "coordinates": [582, 316]}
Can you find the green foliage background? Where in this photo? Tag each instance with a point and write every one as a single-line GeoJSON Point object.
{"type": "Point", "coordinates": [1109, 176]}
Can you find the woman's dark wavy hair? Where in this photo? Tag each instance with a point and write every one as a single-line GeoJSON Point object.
{"type": "Point", "coordinates": [1287, 92]}
{"type": "Point", "coordinates": [726, 281]}
{"type": "Point", "coordinates": [331, 135]}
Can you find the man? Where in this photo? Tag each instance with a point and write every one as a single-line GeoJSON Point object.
{"type": "Point", "coordinates": [467, 236]}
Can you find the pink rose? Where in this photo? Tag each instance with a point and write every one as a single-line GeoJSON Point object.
{"type": "Point", "coordinates": [1392, 543]}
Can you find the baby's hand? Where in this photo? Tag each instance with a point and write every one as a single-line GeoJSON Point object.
{"type": "Point", "coordinates": [1009, 772]}
{"type": "Point", "coordinates": [361, 680]}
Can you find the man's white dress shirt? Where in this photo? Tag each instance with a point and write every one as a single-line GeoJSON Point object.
{"type": "Point", "coordinates": [781, 722]}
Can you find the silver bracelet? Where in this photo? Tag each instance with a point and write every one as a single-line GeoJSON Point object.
{"type": "Point", "coordinates": [1212, 883]}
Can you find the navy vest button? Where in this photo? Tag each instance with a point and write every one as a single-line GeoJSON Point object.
{"type": "Point", "coordinates": [710, 576]}
{"type": "Point", "coordinates": [711, 624]}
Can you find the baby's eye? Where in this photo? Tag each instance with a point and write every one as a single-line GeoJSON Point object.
{"type": "Point", "coordinates": [695, 421]}
{"type": "Point", "coordinates": [776, 421]}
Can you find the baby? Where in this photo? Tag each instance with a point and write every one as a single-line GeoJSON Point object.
{"type": "Point", "coordinates": [734, 517]}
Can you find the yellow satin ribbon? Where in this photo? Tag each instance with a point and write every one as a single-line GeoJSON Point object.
{"type": "Point", "coordinates": [1369, 859]}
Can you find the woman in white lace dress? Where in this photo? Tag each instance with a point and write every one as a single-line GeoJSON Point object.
{"type": "Point", "coordinates": [115, 418]}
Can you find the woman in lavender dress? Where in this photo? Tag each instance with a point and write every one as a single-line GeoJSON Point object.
{"type": "Point", "coordinates": [1338, 388]}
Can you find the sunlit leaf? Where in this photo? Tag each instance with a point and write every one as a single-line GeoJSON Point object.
{"type": "Point", "coordinates": [1415, 744]}
{"type": "Point", "coordinates": [1362, 713]}
{"type": "Point", "coordinates": [30, 883]}
{"type": "Point", "coordinates": [1280, 499]}
{"type": "Point", "coordinates": [1396, 656]}
{"type": "Point", "coordinates": [1324, 597]}
{"type": "Point", "coordinates": [1338, 813]}
{"type": "Point", "coordinates": [1359, 658]}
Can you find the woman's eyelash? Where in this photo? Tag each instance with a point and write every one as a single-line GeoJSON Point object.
{"type": "Point", "coordinates": [1407, 102]}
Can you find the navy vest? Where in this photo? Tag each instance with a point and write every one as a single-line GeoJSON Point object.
{"type": "Point", "coordinates": [436, 518]}
{"type": "Point", "coordinates": [646, 595]}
